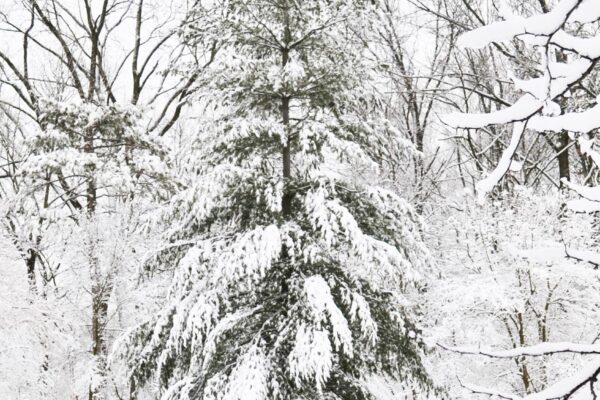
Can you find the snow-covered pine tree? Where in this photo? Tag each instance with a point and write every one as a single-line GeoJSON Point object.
{"type": "Point", "coordinates": [84, 143]}
{"type": "Point", "coordinates": [569, 51]}
{"type": "Point", "coordinates": [88, 162]}
{"type": "Point", "coordinates": [290, 263]}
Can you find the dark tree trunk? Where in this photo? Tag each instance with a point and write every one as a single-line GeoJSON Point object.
{"type": "Point", "coordinates": [30, 262]}
{"type": "Point", "coordinates": [286, 201]}
{"type": "Point", "coordinates": [563, 157]}
{"type": "Point", "coordinates": [287, 197]}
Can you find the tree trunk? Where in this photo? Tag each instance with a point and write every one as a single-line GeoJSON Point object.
{"type": "Point", "coordinates": [286, 156]}
{"type": "Point", "coordinates": [30, 264]}
{"type": "Point", "coordinates": [99, 290]}
{"type": "Point", "coordinates": [563, 157]}
{"type": "Point", "coordinates": [286, 201]}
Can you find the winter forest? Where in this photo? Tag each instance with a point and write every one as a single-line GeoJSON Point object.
{"type": "Point", "coordinates": [299, 199]}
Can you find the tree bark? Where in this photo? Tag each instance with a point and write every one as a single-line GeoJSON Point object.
{"type": "Point", "coordinates": [563, 157]}
{"type": "Point", "coordinates": [30, 261]}
{"type": "Point", "coordinates": [286, 201]}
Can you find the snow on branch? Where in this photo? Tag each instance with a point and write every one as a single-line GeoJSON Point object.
{"type": "Point", "coordinates": [585, 145]}
{"type": "Point", "coordinates": [531, 103]}
{"type": "Point", "coordinates": [536, 108]}
{"type": "Point", "coordinates": [489, 392]}
{"type": "Point", "coordinates": [562, 389]}
{"type": "Point", "coordinates": [590, 196]}
{"type": "Point", "coordinates": [585, 47]}
{"type": "Point", "coordinates": [486, 185]}
{"type": "Point", "coordinates": [589, 193]}
{"type": "Point", "coordinates": [583, 206]}
{"type": "Point", "coordinates": [584, 256]}
{"type": "Point", "coordinates": [542, 349]}
{"type": "Point", "coordinates": [522, 109]}
{"type": "Point", "coordinates": [565, 388]}
{"type": "Point", "coordinates": [541, 30]}
{"type": "Point", "coordinates": [538, 25]}
{"type": "Point", "coordinates": [581, 122]}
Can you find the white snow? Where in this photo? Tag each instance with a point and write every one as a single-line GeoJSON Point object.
{"type": "Point", "coordinates": [486, 185]}
{"type": "Point", "coordinates": [534, 350]}
{"type": "Point", "coordinates": [566, 386]}
{"type": "Point", "coordinates": [582, 122]}
{"type": "Point", "coordinates": [537, 25]}
{"type": "Point", "coordinates": [522, 109]}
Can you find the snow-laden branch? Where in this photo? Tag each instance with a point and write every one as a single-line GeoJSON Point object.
{"type": "Point", "coordinates": [585, 47]}
{"type": "Point", "coordinates": [589, 193]}
{"type": "Point", "coordinates": [543, 30]}
{"type": "Point", "coordinates": [581, 122]}
{"type": "Point", "coordinates": [565, 388]}
{"type": "Point", "coordinates": [590, 201]}
{"type": "Point", "coordinates": [585, 146]}
{"type": "Point", "coordinates": [562, 389]}
{"type": "Point", "coordinates": [584, 256]}
{"type": "Point", "coordinates": [531, 103]}
{"type": "Point", "coordinates": [489, 392]}
{"type": "Point", "coordinates": [486, 185]}
{"type": "Point", "coordinates": [537, 25]}
{"type": "Point", "coordinates": [536, 107]}
{"type": "Point", "coordinates": [542, 349]}
{"type": "Point", "coordinates": [524, 108]}
{"type": "Point", "coordinates": [583, 206]}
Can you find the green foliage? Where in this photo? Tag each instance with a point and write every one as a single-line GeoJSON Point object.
{"type": "Point", "coordinates": [302, 303]}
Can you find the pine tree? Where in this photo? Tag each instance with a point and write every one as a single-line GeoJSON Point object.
{"type": "Point", "coordinates": [290, 260]}
{"type": "Point", "coordinates": [89, 161]}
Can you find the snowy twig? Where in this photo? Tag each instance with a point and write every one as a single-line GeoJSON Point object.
{"type": "Point", "coordinates": [581, 255]}
{"type": "Point", "coordinates": [541, 349]}
{"type": "Point", "coordinates": [492, 393]}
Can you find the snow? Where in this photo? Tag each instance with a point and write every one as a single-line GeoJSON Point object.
{"type": "Point", "coordinates": [533, 351]}
{"type": "Point", "coordinates": [486, 185]}
{"type": "Point", "coordinates": [214, 291]}
{"type": "Point", "coordinates": [585, 47]}
{"type": "Point", "coordinates": [584, 255]}
{"type": "Point", "coordinates": [386, 388]}
{"type": "Point", "coordinates": [581, 122]}
{"type": "Point", "coordinates": [323, 307]}
{"type": "Point", "coordinates": [537, 25]}
{"type": "Point", "coordinates": [585, 146]}
{"type": "Point", "coordinates": [565, 387]}
{"type": "Point", "coordinates": [587, 192]}
{"type": "Point", "coordinates": [583, 205]}
{"type": "Point", "coordinates": [529, 104]}
{"type": "Point", "coordinates": [522, 109]}
{"type": "Point", "coordinates": [490, 392]}
{"type": "Point", "coordinates": [249, 379]}
{"type": "Point", "coordinates": [312, 357]}
{"type": "Point", "coordinates": [587, 11]}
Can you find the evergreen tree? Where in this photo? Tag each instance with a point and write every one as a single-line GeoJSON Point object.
{"type": "Point", "coordinates": [90, 161]}
{"type": "Point", "coordinates": [289, 263]}
{"type": "Point", "coordinates": [87, 146]}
